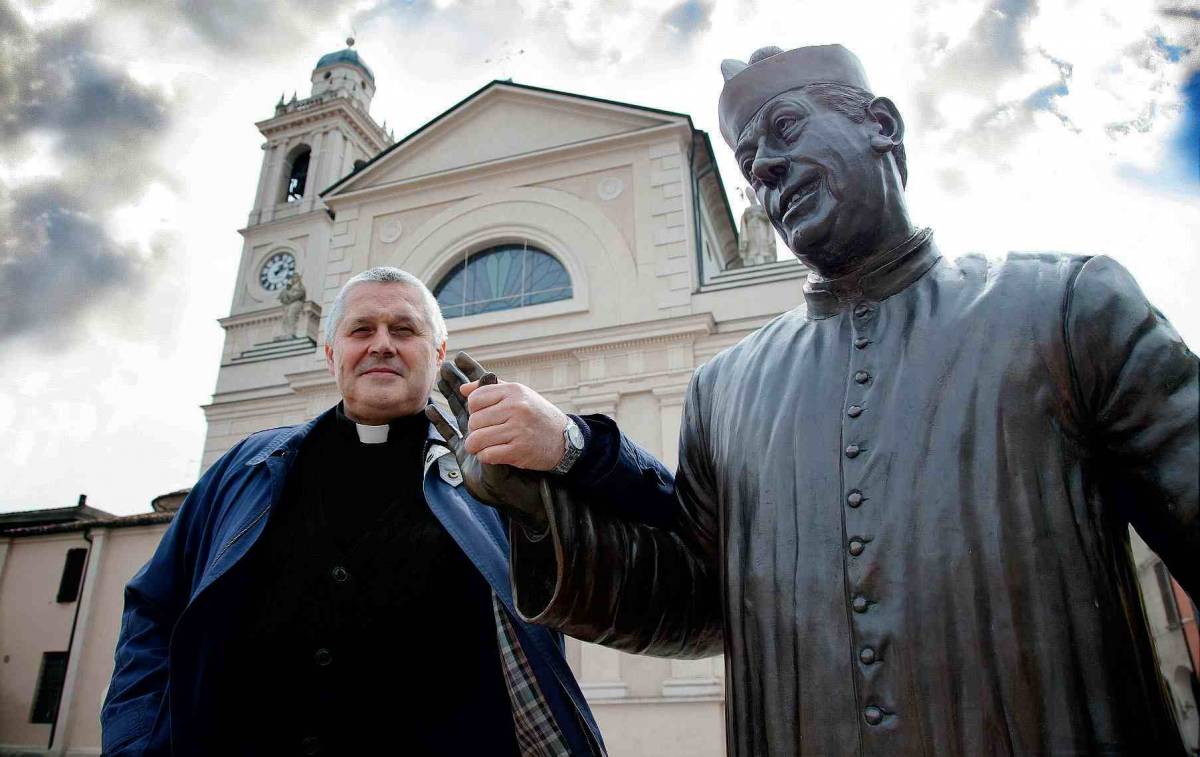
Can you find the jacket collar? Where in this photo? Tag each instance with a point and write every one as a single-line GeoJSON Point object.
{"type": "Point", "coordinates": [899, 268]}
{"type": "Point", "coordinates": [288, 442]}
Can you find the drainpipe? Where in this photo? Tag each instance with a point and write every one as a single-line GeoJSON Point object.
{"type": "Point", "coordinates": [83, 614]}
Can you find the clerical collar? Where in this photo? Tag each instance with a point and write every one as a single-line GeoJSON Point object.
{"type": "Point", "coordinates": [896, 269]}
{"type": "Point", "coordinates": [378, 434]}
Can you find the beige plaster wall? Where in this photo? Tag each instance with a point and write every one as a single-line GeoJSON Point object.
{"type": "Point", "coordinates": [31, 622]}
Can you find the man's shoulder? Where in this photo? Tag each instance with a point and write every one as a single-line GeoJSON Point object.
{"type": "Point", "coordinates": [262, 444]}
{"type": "Point", "coordinates": [1020, 268]}
{"type": "Point", "coordinates": [767, 336]}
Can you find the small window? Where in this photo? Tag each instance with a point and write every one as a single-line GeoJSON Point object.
{"type": "Point", "coordinates": [1170, 607]}
{"type": "Point", "coordinates": [297, 175]}
{"type": "Point", "coordinates": [49, 687]}
{"type": "Point", "coordinates": [502, 278]}
{"type": "Point", "coordinates": [72, 575]}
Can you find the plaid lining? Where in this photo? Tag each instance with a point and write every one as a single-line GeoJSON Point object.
{"type": "Point", "coordinates": [538, 734]}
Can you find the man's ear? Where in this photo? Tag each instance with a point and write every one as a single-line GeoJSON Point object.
{"type": "Point", "coordinates": [329, 359]}
{"type": "Point", "coordinates": [886, 118]}
{"type": "Point", "coordinates": [441, 352]}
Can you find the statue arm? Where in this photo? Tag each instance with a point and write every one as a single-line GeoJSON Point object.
{"type": "Point", "coordinates": [643, 587]}
{"type": "Point", "coordinates": [1137, 388]}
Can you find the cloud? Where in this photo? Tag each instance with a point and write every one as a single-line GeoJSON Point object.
{"type": "Point", "coordinates": [689, 18]}
{"type": "Point", "coordinates": [58, 258]}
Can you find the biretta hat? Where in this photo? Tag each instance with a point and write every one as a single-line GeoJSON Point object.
{"type": "Point", "coordinates": [749, 86]}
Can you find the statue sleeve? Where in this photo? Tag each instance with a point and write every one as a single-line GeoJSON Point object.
{"type": "Point", "coordinates": [608, 579]}
{"type": "Point", "coordinates": [1137, 387]}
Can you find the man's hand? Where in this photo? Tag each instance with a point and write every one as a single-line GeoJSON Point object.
{"type": "Point", "coordinates": [510, 423]}
{"type": "Point", "coordinates": [515, 492]}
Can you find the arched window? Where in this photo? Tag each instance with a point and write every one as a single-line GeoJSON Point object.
{"type": "Point", "coordinates": [501, 278]}
{"type": "Point", "coordinates": [297, 174]}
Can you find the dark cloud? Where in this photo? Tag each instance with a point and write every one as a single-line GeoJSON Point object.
{"type": "Point", "coordinates": [58, 259]}
{"type": "Point", "coordinates": [1192, 13]}
{"type": "Point", "coordinates": [690, 17]}
{"type": "Point", "coordinates": [252, 27]}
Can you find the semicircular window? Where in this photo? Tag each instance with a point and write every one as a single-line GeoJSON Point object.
{"type": "Point", "coordinates": [502, 278]}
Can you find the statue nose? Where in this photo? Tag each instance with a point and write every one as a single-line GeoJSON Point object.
{"type": "Point", "coordinates": [769, 170]}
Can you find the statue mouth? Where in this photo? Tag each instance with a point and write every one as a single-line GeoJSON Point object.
{"type": "Point", "coordinates": [801, 199]}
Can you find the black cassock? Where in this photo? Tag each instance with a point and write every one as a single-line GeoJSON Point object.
{"type": "Point", "coordinates": [901, 511]}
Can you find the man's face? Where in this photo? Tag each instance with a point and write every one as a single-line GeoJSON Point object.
{"type": "Point", "coordinates": [815, 172]}
{"type": "Point", "coordinates": [383, 355]}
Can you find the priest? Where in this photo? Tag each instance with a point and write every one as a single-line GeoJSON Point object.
{"type": "Point", "coordinates": [902, 508]}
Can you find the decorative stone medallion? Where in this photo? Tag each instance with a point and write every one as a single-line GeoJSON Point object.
{"type": "Point", "coordinates": [610, 188]}
{"type": "Point", "coordinates": [390, 231]}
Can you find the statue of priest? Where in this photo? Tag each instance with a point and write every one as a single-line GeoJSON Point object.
{"type": "Point", "coordinates": [901, 508]}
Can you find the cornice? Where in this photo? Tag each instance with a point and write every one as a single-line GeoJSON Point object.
{"type": "Point", "coordinates": [476, 171]}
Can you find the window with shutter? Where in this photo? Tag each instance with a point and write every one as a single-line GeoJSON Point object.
{"type": "Point", "coordinates": [49, 687]}
{"type": "Point", "coordinates": [72, 575]}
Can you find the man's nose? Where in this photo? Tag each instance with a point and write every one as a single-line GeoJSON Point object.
{"type": "Point", "coordinates": [769, 169]}
{"type": "Point", "coordinates": [381, 342]}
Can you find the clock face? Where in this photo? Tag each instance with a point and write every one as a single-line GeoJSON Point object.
{"type": "Point", "coordinates": [277, 271]}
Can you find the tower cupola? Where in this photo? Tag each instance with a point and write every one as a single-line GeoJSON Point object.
{"type": "Point", "coordinates": [343, 73]}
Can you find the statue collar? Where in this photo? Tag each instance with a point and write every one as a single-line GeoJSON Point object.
{"type": "Point", "coordinates": [895, 270]}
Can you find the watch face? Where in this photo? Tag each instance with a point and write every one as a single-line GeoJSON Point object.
{"type": "Point", "coordinates": [277, 271]}
{"type": "Point", "coordinates": [575, 436]}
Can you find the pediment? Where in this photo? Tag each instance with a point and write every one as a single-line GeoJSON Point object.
{"type": "Point", "coordinates": [499, 122]}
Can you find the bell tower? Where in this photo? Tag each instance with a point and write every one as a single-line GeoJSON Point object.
{"type": "Point", "coordinates": [313, 142]}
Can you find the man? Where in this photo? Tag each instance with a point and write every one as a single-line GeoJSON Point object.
{"type": "Point", "coordinates": [330, 588]}
{"type": "Point", "coordinates": [902, 508]}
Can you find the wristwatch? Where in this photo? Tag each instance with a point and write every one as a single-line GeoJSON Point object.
{"type": "Point", "coordinates": [573, 441]}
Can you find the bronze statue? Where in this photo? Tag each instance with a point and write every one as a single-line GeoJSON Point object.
{"type": "Point", "coordinates": [901, 509]}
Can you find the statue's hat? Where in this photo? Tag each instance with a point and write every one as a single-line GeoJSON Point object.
{"type": "Point", "coordinates": [749, 86]}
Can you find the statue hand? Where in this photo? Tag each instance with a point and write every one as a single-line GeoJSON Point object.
{"type": "Point", "coordinates": [516, 492]}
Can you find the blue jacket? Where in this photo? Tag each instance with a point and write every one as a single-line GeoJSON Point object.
{"type": "Point", "coordinates": [161, 695]}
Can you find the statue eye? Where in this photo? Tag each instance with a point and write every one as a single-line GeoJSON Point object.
{"type": "Point", "coordinates": [783, 124]}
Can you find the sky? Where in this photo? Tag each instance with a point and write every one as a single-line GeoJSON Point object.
{"type": "Point", "coordinates": [129, 157]}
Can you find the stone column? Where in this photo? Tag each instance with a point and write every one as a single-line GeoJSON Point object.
{"type": "Point", "coordinates": [316, 166]}
{"type": "Point", "coordinates": [256, 211]}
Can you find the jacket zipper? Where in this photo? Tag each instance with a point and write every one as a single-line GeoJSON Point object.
{"type": "Point", "coordinates": [240, 534]}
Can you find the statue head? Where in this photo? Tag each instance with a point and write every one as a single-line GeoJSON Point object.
{"type": "Point", "coordinates": [824, 156]}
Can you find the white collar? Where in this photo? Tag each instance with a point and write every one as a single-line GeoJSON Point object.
{"type": "Point", "coordinates": [372, 434]}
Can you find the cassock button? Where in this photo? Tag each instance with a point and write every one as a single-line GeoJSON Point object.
{"type": "Point", "coordinates": [856, 547]}
{"type": "Point", "coordinates": [323, 657]}
{"type": "Point", "coordinates": [310, 745]}
{"type": "Point", "coordinates": [854, 498]}
{"type": "Point", "coordinates": [861, 342]}
{"type": "Point", "coordinates": [852, 451]}
{"type": "Point", "coordinates": [862, 377]}
{"type": "Point", "coordinates": [866, 656]}
{"type": "Point", "coordinates": [339, 574]}
{"type": "Point", "coordinates": [859, 603]}
{"type": "Point", "coordinates": [873, 715]}
{"type": "Point", "coordinates": [862, 311]}
{"type": "Point", "coordinates": [854, 411]}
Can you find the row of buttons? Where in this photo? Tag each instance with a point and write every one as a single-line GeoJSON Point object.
{"type": "Point", "coordinates": [872, 714]}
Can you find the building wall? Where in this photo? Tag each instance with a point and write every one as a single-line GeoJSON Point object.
{"type": "Point", "coordinates": [31, 622]}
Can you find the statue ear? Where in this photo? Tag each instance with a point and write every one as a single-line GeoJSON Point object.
{"type": "Point", "coordinates": [731, 68]}
{"type": "Point", "coordinates": [883, 114]}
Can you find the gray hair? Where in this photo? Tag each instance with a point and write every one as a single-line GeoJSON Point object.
{"type": "Point", "coordinates": [388, 275]}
